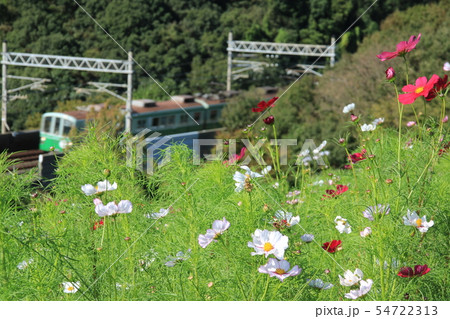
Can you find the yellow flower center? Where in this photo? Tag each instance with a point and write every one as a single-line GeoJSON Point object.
{"type": "Point", "coordinates": [70, 288]}
{"type": "Point", "coordinates": [268, 247]}
{"type": "Point", "coordinates": [419, 90]}
{"type": "Point", "coordinates": [280, 271]}
{"type": "Point", "coordinates": [419, 222]}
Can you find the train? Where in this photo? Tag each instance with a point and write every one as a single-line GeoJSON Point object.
{"type": "Point", "coordinates": [174, 117]}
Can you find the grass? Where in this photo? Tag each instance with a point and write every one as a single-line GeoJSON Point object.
{"type": "Point", "coordinates": [124, 259]}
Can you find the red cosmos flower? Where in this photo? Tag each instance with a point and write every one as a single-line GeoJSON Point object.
{"type": "Point", "coordinates": [403, 47]}
{"type": "Point", "coordinates": [339, 190]}
{"type": "Point", "coordinates": [439, 87]}
{"type": "Point", "coordinates": [269, 120]}
{"type": "Point", "coordinates": [422, 88]}
{"type": "Point", "coordinates": [263, 105]}
{"type": "Point", "coordinates": [358, 156]}
{"type": "Point", "coordinates": [236, 157]}
{"type": "Point", "coordinates": [418, 271]}
{"type": "Point", "coordinates": [442, 151]}
{"type": "Point", "coordinates": [97, 224]}
{"type": "Point", "coordinates": [332, 246]}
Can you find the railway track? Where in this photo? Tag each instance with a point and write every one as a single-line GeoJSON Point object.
{"type": "Point", "coordinates": [24, 161]}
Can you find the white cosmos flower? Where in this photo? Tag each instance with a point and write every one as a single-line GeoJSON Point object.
{"type": "Point", "coordinates": [350, 278]}
{"type": "Point", "coordinates": [366, 232]}
{"type": "Point", "coordinates": [372, 211]}
{"type": "Point", "coordinates": [218, 228]}
{"type": "Point", "coordinates": [318, 183]}
{"type": "Point", "coordinates": [268, 242]}
{"type": "Point", "coordinates": [240, 178]}
{"type": "Point", "coordinates": [179, 257]}
{"type": "Point", "coordinates": [368, 127]}
{"type": "Point", "coordinates": [378, 121]}
{"type": "Point", "coordinates": [364, 288]}
{"type": "Point", "coordinates": [318, 283]}
{"type": "Point", "coordinates": [122, 286]}
{"type": "Point", "coordinates": [307, 238]}
{"type": "Point", "coordinates": [71, 287]}
{"type": "Point", "coordinates": [162, 212]}
{"type": "Point", "coordinates": [342, 225]}
{"type": "Point", "coordinates": [124, 207]}
{"type": "Point", "coordinates": [286, 218]}
{"type": "Point", "coordinates": [412, 219]}
{"type": "Point", "coordinates": [279, 269]}
{"type": "Point", "coordinates": [321, 146]}
{"type": "Point", "coordinates": [348, 108]}
{"type": "Point", "coordinates": [24, 264]}
{"type": "Point", "coordinates": [446, 67]}
{"type": "Point", "coordinates": [101, 187]}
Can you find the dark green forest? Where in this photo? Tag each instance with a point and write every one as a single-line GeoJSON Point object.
{"type": "Point", "coordinates": [180, 43]}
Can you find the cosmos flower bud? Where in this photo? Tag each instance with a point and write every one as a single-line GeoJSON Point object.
{"type": "Point", "coordinates": [341, 141]}
{"type": "Point", "coordinates": [353, 117]}
{"type": "Point", "coordinates": [106, 172]}
{"type": "Point", "coordinates": [390, 74]}
{"type": "Point", "coordinates": [269, 120]}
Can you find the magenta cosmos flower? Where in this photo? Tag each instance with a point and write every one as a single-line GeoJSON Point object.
{"type": "Point", "coordinates": [421, 88]}
{"type": "Point", "coordinates": [403, 47]}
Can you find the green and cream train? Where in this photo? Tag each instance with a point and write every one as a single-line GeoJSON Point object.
{"type": "Point", "coordinates": [166, 117]}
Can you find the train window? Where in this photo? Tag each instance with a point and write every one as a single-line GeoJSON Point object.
{"type": "Point", "coordinates": [171, 120]}
{"type": "Point", "coordinates": [197, 116]}
{"type": "Point", "coordinates": [141, 123]}
{"type": "Point", "coordinates": [67, 126]}
{"type": "Point", "coordinates": [213, 115]}
{"type": "Point", "coordinates": [56, 127]}
{"type": "Point", "coordinates": [155, 121]}
{"type": "Point", "coordinates": [183, 118]}
{"type": "Point", "coordinates": [47, 124]}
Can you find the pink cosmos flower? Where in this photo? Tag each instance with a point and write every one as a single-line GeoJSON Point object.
{"type": "Point", "coordinates": [421, 88]}
{"type": "Point", "coordinates": [236, 157]}
{"type": "Point", "coordinates": [410, 123]}
{"type": "Point", "coordinates": [403, 47]}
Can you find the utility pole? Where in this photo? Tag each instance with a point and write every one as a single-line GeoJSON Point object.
{"type": "Point", "coordinates": [230, 61]}
{"type": "Point", "coordinates": [129, 93]}
{"type": "Point", "coordinates": [4, 90]}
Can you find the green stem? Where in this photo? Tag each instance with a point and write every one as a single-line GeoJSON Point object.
{"type": "Point", "coordinates": [265, 289]}
{"type": "Point", "coordinates": [277, 155]}
{"type": "Point", "coordinates": [407, 70]}
{"type": "Point", "coordinates": [400, 112]}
